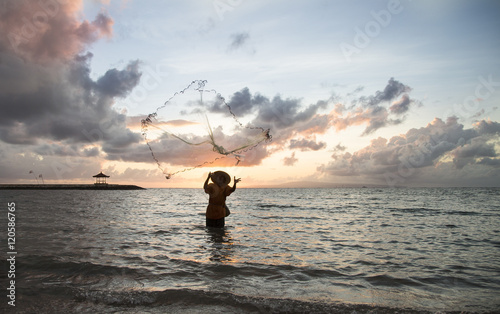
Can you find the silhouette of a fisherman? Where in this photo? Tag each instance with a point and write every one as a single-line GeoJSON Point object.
{"type": "Point", "coordinates": [218, 191]}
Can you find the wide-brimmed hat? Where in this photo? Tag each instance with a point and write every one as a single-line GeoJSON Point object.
{"type": "Point", "coordinates": [221, 177]}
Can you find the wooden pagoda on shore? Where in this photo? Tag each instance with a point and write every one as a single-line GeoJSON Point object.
{"type": "Point", "coordinates": [100, 178]}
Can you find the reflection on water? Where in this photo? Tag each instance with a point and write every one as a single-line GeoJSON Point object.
{"type": "Point", "coordinates": [220, 244]}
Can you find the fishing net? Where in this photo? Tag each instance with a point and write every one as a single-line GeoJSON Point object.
{"type": "Point", "coordinates": [187, 112]}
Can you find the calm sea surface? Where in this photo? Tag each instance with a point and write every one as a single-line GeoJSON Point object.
{"type": "Point", "coordinates": [283, 250]}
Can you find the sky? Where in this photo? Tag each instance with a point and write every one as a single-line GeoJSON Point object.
{"type": "Point", "coordinates": [382, 92]}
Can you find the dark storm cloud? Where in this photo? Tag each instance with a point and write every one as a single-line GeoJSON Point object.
{"type": "Point", "coordinates": [472, 152]}
{"type": "Point", "coordinates": [60, 150]}
{"type": "Point", "coordinates": [371, 110]}
{"type": "Point", "coordinates": [290, 161]}
{"type": "Point", "coordinates": [490, 162]}
{"type": "Point", "coordinates": [241, 103]}
{"type": "Point", "coordinates": [238, 40]}
{"type": "Point", "coordinates": [282, 113]}
{"type": "Point", "coordinates": [68, 105]}
{"type": "Point", "coordinates": [305, 145]}
{"type": "Point", "coordinates": [46, 92]}
{"type": "Point", "coordinates": [339, 148]}
{"type": "Point", "coordinates": [401, 157]}
{"type": "Point", "coordinates": [286, 116]}
{"type": "Point", "coordinates": [119, 83]}
{"type": "Point", "coordinates": [488, 127]}
{"type": "Point", "coordinates": [392, 90]}
{"type": "Point", "coordinates": [401, 106]}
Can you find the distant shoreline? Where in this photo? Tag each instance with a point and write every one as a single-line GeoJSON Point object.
{"type": "Point", "coordinates": [69, 187]}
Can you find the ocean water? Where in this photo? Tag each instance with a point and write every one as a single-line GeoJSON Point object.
{"type": "Point", "coordinates": [345, 250]}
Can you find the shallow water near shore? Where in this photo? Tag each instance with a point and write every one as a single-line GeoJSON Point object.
{"type": "Point", "coordinates": [282, 250]}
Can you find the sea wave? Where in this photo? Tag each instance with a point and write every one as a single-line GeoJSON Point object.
{"type": "Point", "coordinates": [322, 251]}
{"type": "Point", "coordinates": [80, 300]}
{"type": "Point", "coordinates": [140, 288]}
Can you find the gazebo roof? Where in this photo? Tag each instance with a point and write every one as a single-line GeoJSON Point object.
{"type": "Point", "coordinates": [100, 175]}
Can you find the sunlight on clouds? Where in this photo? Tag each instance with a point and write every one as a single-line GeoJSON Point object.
{"type": "Point", "coordinates": [76, 81]}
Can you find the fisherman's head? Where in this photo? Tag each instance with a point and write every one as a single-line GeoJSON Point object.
{"type": "Point", "coordinates": [221, 178]}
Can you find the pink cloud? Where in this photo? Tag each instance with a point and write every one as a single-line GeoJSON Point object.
{"type": "Point", "coordinates": [49, 30]}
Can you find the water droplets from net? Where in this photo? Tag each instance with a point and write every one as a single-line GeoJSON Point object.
{"type": "Point", "coordinates": [263, 135]}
